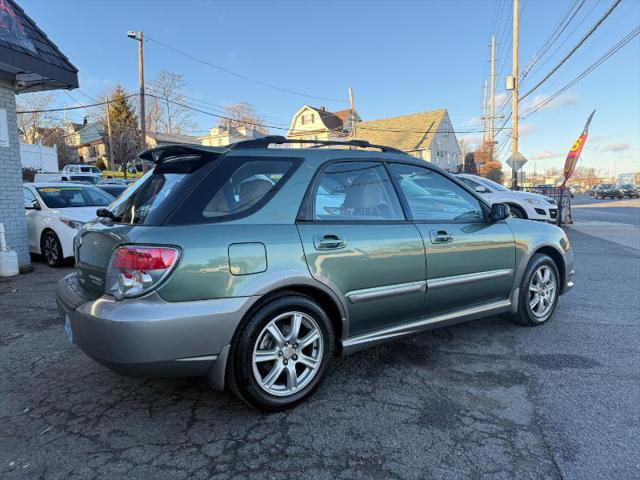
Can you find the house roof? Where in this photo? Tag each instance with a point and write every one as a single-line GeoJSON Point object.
{"type": "Point", "coordinates": [170, 138]}
{"type": "Point", "coordinates": [27, 53]}
{"type": "Point", "coordinates": [407, 132]}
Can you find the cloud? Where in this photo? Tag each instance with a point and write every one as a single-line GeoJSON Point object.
{"type": "Point", "coordinates": [545, 155]}
{"type": "Point", "coordinates": [562, 101]}
{"type": "Point", "coordinates": [471, 140]}
{"type": "Point", "coordinates": [472, 122]}
{"type": "Point", "coordinates": [527, 129]}
{"type": "Point", "coordinates": [616, 147]}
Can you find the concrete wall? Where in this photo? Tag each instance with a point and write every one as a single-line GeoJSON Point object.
{"type": "Point", "coordinates": [11, 204]}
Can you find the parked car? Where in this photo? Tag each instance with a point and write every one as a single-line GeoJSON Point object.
{"type": "Point", "coordinates": [114, 189]}
{"type": "Point", "coordinates": [197, 271]}
{"type": "Point", "coordinates": [55, 211]}
{"type": "Point", "coordinates": [608, 190]}
{"type": "Point", "coordinates": [630, 191]}
{"type": "Point", "coordinates": [522, 204]}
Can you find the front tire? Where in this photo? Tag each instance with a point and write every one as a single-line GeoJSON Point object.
{"type": "Point", "coordinates": [539, 291]}
{"type": "Point", "coordinates": [51, 249]}
{"type": "Point", "coordinates": [281, 353]}
{"type": "Point", "coordinates": [517, 212]}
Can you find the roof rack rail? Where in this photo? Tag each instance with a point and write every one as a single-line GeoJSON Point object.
{"type": "Point", "coordinates": [264, 142]}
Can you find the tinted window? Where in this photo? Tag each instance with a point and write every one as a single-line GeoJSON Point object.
{"type": "Point", "coordinates": [351, 191]}
{"type": "Point", "coordinates": [74, 196]}
{"type": "Point", "coordinates": [154, 196]}
{"type": "Point", "coordinates": [432, 196]}
{"type": "Point", "coordinates": [246, 186]}
{"type": "Point", "coordinates": [471, 183]}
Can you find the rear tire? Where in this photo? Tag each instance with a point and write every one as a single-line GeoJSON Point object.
{"type": "Point", "coordinates": [51, 249]}
{"type": "Point", "coordinates": [539, 292]}
{"type": "Point", "coordinates": [281, 354]}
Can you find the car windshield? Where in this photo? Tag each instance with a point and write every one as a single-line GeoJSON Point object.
{"type": "Point", "coordinates": [74, 196]}
{"type": "Point", "coordinates": [493, 185]}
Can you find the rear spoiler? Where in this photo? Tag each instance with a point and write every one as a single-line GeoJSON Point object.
{"type": "Point", "coordinates": [159, 154]}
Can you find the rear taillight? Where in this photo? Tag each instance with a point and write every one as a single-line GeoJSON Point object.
{"type": "Point", "coordinates": [134, 271]}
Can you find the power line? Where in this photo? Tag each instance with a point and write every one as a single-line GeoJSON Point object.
{"type": "Point", "coordinates": [573, 50]}
{"type": "Point", "coordinates": [553, 37]}
{"type": "Point", "coordinates": [617, 47]}
{"type": "Point", "coordinates": [78, 107]}
{"type": "Point", "coordinates": [243, 77]}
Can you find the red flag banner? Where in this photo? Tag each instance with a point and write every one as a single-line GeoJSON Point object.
{"type": "Point", "coordinates": [575, 151]}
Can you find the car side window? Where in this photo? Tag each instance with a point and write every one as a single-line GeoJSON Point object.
{"type": "Point", "coordinates": [28, 197]}
{"type": "Point", "coordinates": [355, 191]}
{"type": "Point", "coordinates": [433, 197]}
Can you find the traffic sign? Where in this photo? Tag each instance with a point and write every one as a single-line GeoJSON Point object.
{"type": "Point", "coordinates": [516, 161]}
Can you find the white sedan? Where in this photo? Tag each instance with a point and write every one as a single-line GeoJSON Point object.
{"type": "Point", "coordinates": [522, 204]}
{"type": "Point", "coordinates": [55, 211]}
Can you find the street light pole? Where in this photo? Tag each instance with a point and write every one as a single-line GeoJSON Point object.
{"type": "Point", "coordinates": [143, 128]}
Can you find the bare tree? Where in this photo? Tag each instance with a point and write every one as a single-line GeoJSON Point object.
{"type": "Point", "coordinates": [32, 124]}
{"type": "Point", "coordinates": [165, 110]}
{"type": "Point", "coordinates": [56, 137]}
{"type": "Point", "coordinates": [243, 114]}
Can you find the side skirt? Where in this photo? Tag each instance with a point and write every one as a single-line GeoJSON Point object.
{"type": "Point", "coordinates": [366, 340]}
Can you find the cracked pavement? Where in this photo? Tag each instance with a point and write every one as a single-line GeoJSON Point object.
{"type": "Point", "coordinates": [482, 399]}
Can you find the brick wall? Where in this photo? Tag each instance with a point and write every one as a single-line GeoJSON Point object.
{"type": "Point", "coordinates": [11, 204]}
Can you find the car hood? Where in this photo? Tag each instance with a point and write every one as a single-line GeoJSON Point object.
{"type": "Point", "coordinates": [81, 214]}
{"type": "Point", "coordinates": [523, 195]}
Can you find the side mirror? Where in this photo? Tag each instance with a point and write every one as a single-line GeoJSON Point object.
{"type": "Point", "coordinates": [499, 211]}
{"type": "Point", "coordinates": [35, 205]}
{"type": "Point", "coordinates": [481, 189]}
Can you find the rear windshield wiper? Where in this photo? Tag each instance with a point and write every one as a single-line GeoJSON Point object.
{"type": "Point", "coordinates": [106, 213]}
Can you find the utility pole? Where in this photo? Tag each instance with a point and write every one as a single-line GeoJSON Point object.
{"type": "Point", "coordinates": [143, 128]}
{"type": "Point", "coordinates": [484, 113]}
{"type": "Point", "coordinates": [109, 136]}
{"type": "Point", "coordinates": [493, 95]}
{"type": "Point", "coordinates": [352, 107]}
{"type": "Point", "coordinates": [516, 161]}
{"type": "Point", "coordinates": [514, 97]}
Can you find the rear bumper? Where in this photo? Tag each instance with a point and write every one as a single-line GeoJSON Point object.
{"type": "Point", "coordinates": [149, 336]}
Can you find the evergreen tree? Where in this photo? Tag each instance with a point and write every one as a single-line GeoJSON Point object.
{"type": "Point", "coordinates": [125, 136]}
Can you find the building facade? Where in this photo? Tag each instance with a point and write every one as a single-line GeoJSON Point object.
{"type": "Point", "coordinates": [425, 135]}
{"type": "Point", "coordinates": [29, 62]}
{"type": "Point", "coordinates": [226, 135]}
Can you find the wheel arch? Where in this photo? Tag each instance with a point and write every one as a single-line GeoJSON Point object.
{"type": "Point", "coordinates": [558, 260]}
{"type": "Point", "coordinates": [331, 305]}
{"type": "Point", "coordinates": [518, 207]}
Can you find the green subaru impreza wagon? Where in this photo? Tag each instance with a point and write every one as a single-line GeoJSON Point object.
{"type": "Point", "coordinates": [254, 265]}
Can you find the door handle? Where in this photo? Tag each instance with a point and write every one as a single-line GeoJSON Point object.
{"type": "Point", "coordinates": [328, 242]}
{"type": "Point", "coordinates": [441, 236]}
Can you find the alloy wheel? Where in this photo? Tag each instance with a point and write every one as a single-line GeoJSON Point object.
{"type": "Point", "coordinates": [50, 248]}
{"type": "Point", "coordinates": [542, 291]}
{"type": "Point", "coordinates": [288, 353]}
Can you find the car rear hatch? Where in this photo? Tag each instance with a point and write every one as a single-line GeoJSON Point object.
{"type": "Point", "coordinates": [138, 210]}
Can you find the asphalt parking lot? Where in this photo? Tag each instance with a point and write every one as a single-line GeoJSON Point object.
{"type": "Point", "coordinates": [483, 399]}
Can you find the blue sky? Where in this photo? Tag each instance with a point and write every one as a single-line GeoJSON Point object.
{"type": "Point", "coordinates": [399, 57]}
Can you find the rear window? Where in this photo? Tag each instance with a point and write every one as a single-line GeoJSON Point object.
{"type": "Point", "coordinates": [74, 196]}
{"type": "Point", "coordinates": [154, 196]}
{"type": "Point", "coordinates": [234, 188]}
